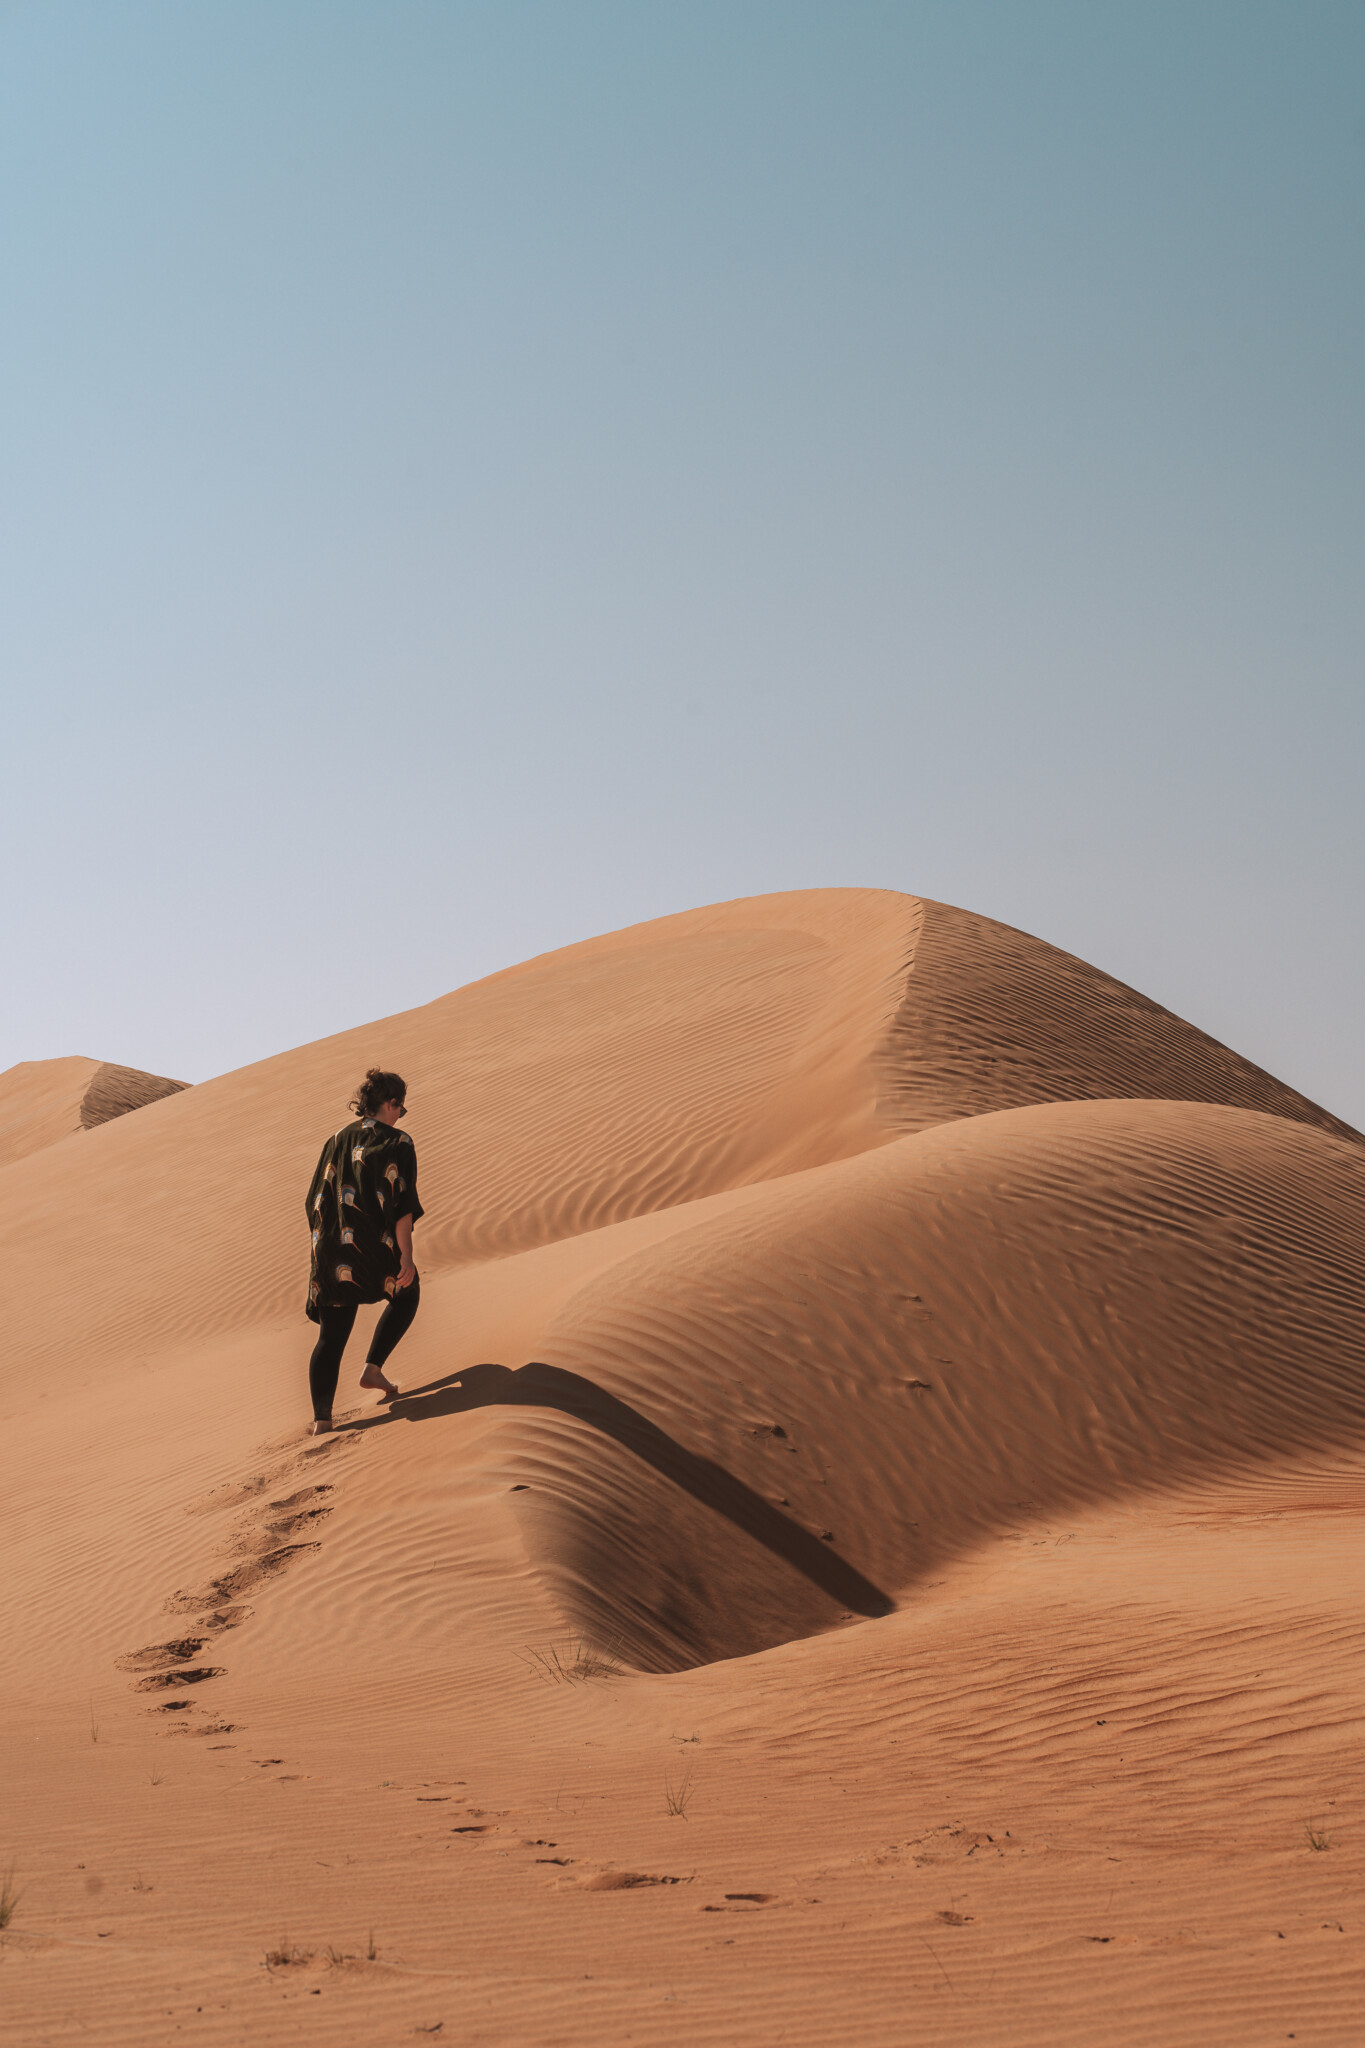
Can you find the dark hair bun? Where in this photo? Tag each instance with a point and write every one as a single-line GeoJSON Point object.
{"type": "Point", "coordinates": [377, 1088]}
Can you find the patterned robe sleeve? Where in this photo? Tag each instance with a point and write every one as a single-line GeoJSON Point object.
{"type": "Point", "coordinates": [316, 1187]}
{"type": "Point", "coordinates": [405, 1202]}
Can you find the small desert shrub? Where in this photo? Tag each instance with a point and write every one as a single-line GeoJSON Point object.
{"type": "Point", "coordinates": [9, 1897]}
{"type": "Point", "coordinates": [1316, 1837]}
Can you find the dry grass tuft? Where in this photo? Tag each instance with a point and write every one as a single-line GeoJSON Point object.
{"type": "Point", "coordinates": [286, 1955]}
{"type": "Point", "coordinates": [347, 1958]}
{"type": "Point", "coordinates": [576, 1662]}
{"type": "Point", "coordinates": [677, 1794]}
{"type": "Point", "coordinates": [9, 1897]}
{"type": "Point", "coordinates": [1316, 1837]}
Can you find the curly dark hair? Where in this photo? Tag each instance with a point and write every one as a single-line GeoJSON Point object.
{"type": "Point", "coordinates": [377, 1088]}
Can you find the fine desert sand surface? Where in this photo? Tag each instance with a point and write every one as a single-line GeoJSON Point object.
{"type": "Point", "coordinates": [869, 1550]}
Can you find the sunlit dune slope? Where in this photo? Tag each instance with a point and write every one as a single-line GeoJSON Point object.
{"type": "Point", "coordinates": [42, 1101]}
{"type": "Point", "coordinates": [617, 1078]}
{"type": "Point", "coordinates": [798, 1408]}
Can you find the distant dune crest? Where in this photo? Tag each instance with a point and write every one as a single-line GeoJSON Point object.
{"type": "Point", "coordinates": [113, 1091]}
{"type": "Point", "coordinates": [44, 1101]}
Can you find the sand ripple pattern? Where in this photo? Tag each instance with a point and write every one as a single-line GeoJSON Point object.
{"type": "Point", "coordinates": [925, 1378]}
{"type": "Point", "coordinates": [1027, 1311]}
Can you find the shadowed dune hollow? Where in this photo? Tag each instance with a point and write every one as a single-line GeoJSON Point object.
{"type": "Point", "coordinates": [1008, 1308]}
{"type": "Point", "coordinates": [879, 1226]}
{"type": "Point", "coordinates": [1025, 1311]}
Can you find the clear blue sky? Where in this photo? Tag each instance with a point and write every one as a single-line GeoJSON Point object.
{"type": "Point", "coordinates": [476, 475]}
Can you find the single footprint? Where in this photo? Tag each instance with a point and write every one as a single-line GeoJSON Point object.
{"type": "Point", "coordinates": [620, 1880]}
{"type": "Point", "coordinates": [243, 1579]}
{"type": "Point", "coordinates": [305, 1497]}
{"type": "Point", "coordinates": [189, 1676]}
{"type": "Point", "coordinates": [158, 1655]}
{"type": "Point", "coordinates": [194, 1674]}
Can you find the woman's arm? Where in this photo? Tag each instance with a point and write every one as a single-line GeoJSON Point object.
{"type": "Point", "coordinates": [407, 1272]}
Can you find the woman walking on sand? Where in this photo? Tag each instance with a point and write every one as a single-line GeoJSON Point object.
{"type": "Point", "coordinates": [361, 1209]}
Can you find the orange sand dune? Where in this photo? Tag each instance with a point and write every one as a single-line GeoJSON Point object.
{"type": "Point", "coordinates": [882, 1461]}
{"type": "Point", "coordinates": [42, 1101]}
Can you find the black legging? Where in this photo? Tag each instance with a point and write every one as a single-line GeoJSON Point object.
{"type": "Point", "coordinates": [336, 1325]}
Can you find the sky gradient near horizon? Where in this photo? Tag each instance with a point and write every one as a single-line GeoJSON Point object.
{"type": "Point", "coordinates": [478, 475]}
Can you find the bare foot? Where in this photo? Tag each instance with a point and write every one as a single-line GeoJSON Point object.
{"type": "Point", "coordinates": [321, 1427]}
{"type": "Point", "coordinates": [373, 1377]}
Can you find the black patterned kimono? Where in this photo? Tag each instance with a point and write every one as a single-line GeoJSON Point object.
{"type": "Point", "coordinates": [366, 1180]}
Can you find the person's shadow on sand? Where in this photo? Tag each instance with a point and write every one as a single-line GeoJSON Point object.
{"type": "Point", "coordinates": [550, 1386]}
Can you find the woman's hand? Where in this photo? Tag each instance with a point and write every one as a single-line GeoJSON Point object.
{"type": "Point", "coordinates": [407, 1273]}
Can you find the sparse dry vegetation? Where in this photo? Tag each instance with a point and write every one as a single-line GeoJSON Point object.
{"type": "Point", "coordinates": [10, 1896]}
{"type": "Point", "coordinates": [571, 1664]}
{"type": "Point", "coordinates": [1316, 1837]}
{"type": "Point", "coordinates": [347, 1958]}
{"type": "Point", "coordinates": [677, 1792]}
{"type": "Point", "coordinates": [286, 1955]}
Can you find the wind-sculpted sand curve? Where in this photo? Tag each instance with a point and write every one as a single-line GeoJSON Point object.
{"type": "Point", "coordinates": [1035, 1310]}
{"type": "Point", "coordinates": [882, 1458]}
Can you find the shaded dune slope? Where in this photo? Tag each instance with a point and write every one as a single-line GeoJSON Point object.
{"type": "Point", "coordinates": [993, 1018]}
{"type": "Point", "coordinates": [114, 1090]}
